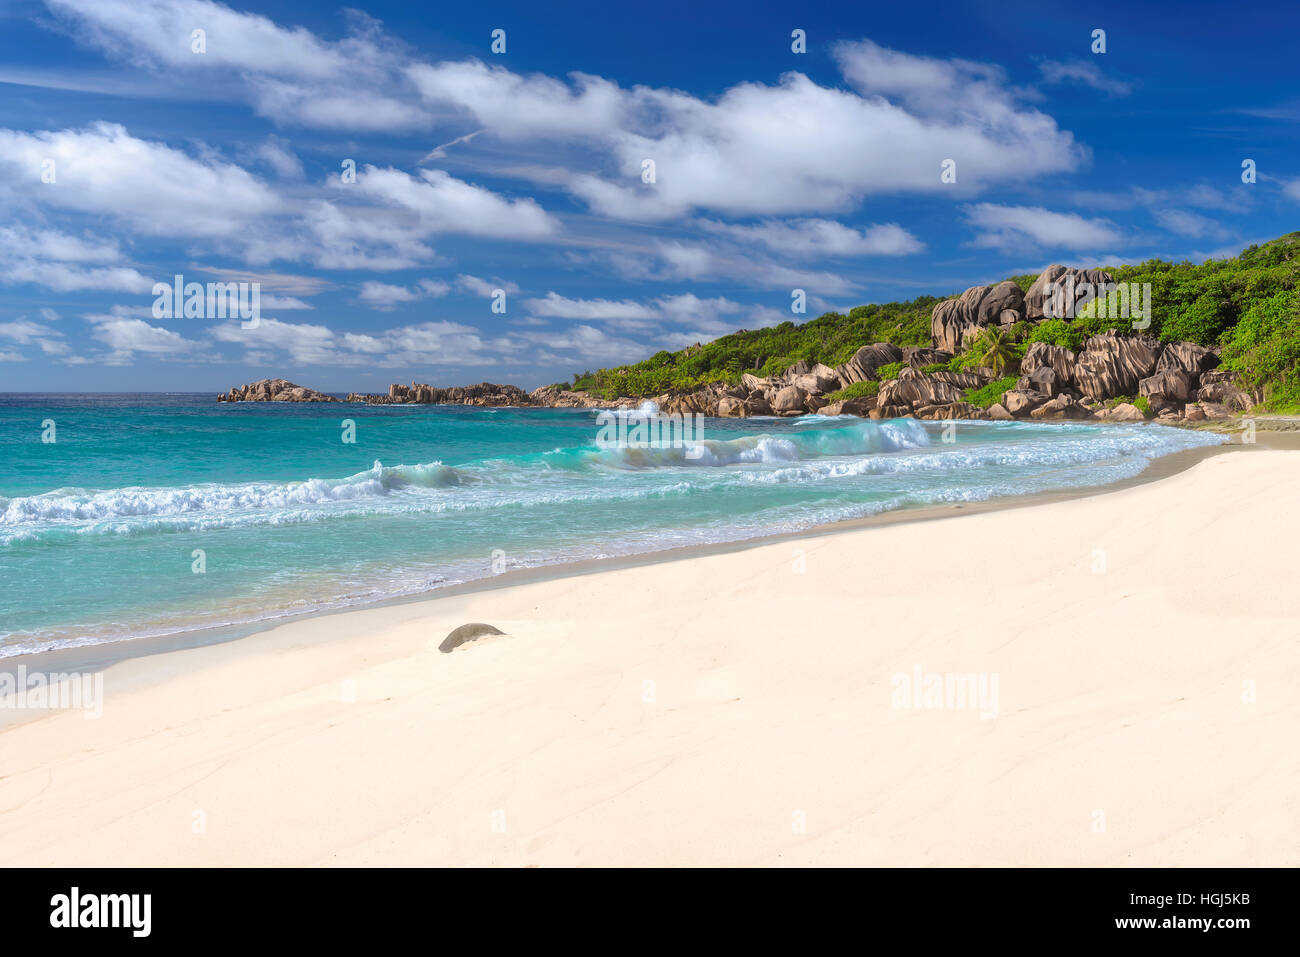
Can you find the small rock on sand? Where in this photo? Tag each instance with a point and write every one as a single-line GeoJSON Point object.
{"type": "Point", "coordinates": [467, 633]}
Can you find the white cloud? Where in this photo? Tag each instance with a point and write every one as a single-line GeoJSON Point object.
{"type": "Point", "coordinates": [288, 73]}
{"type": "Point", "coordinates": [24, 332]}
{"type": "Point", "coordinates": [284, 303]}
{"type": "Point", "coordinates": [559, 307]}
{"type": "Point", "coordinates": [763, 149]}
{"type": "Point", "coordinates": [439, 344]}
{"type": "Point", "coordinates": [810, 238]}
{"type": "Point", "coordinates": [1186, 223]}
{"type": "Point", "coordinates": [515, 107]}
{"type": "Point", "coordinates": [444, 204]}
{"type": "Point", "coordinates": [627, 313]}
{"type": "Point", "coordinates": [386, 296]}
{"type": "Point", "coordinates": [125, 337]}
{"type": "Point", "coordinates": [58, 260]}
{"type": "Point", "coordinates": [156, 189]}
{"type": "Point", "coordinates": [484, 287]}
{"type": "Point", "coordinates": [1011, 228]}
{"type": "Point", "coordinates": [1082, 71]}
{"type": "Point", "coordinates": [276, 153]}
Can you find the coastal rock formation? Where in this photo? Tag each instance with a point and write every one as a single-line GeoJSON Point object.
{"type": "Point", "coordinates": [1170, 389]}
{"type": "Point", "coordinates": [918, 390]}
{"type": "Point", "coordinates": [1006, 298]}
{"type": "Point", "coordinates": [953, 320]}
{"type": "Point", "coordinates": [1124, 412]}
{"type": "Point", "coordinates": [789, 399]}
{"type": "Point", "coordinates": [862, 367]}
{"type": "Point", "coordinates": [1188, 357]}
{"type": "Point", "coordinates": [1178, 380]}
{"type": "Point", "coordinates": [918, 357]}
{"type": "Point", "coordinates": [820, 379]}
{"type": "Point", "coordinates": [1057, 358]}
{"type": "Point", "coordinates": [1062, 407]}
{"type": "Point", "coordinates": [1021, 402]}
{"type": "Point", "coordinates": [860, 406]}
{"type": "Point", "coordinates": [1220, 387]}
{"type": "Point", "coordinates": [1072, 285]}
{"type": "Point", "coordinates": [274, 390]}
{"type": "Point", "coordinates": [556, 398]}
{"type": "Point", "coordinates": [1112, 365]}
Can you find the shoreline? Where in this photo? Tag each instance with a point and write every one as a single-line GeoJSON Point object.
{"type": "Point", "coordinates": [688, 711]}
{"type": "Point", "coordinates": [95, 657]}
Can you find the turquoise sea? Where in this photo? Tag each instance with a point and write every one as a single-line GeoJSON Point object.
{"type": "Point", "coordinates": [153, 515]}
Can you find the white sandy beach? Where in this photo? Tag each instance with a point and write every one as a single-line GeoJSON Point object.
{"type": "Point", "coordinates": [737, 708]}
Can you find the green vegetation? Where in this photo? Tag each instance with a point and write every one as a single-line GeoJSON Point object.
{"type": "Point", "coordinates": [1058, 332]}
{"type": "Point", "coordinates": [993, 350]}
{"type": "Point", "coordinates": [832, 339]}
{"type": "Point", "coordinates": [1264, 346]}
{"type": "Point", "coordinates": [889, 370]}
{"type": "Point", "coordinates": [1142, 405]}
{"type": "Point", "coordinates": [858, 390]}
{"type": "Point", "coordinates": [1247, 305]}
{"type": "Point", "coordinates": [990, 394]}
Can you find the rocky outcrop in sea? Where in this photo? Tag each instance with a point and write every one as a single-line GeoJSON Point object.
{"type": "Point", "coordinates": [274, 390]}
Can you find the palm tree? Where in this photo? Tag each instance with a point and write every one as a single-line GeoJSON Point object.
{"type": "Point", "coordinates": [993, 349]}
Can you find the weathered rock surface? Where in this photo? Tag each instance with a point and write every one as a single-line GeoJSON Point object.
{"type": "Point", "coordinates": [557, 398]}
{"type": "Point", "coordinates": [1005, 297]}
{"type": "Point", "coordinates": [954, 320]}
{"type": "Point", "coordinates": [1062, 407]}
{"type": "Point", "coordinates": [1221, 388]}
{"type": "Point", "coordinates": [862, 367]}
{"type": "Point", "coordinates": [1170, 389]}
{"type": "Point", "coordinates": [789, 399]}
{"type": "Point", "coordinates": [274, 390]}
{"type": "Point", "coordinates": [920, 356]}
{"type": "Point", "coordinates": [918, 390]}
{"type": "Point", "coordinates": [1124, 412]}
{"type": "Point", "coordinates": [819, 379]}
{"type": "Point", "coordinates": [1072, 285]}
{"type": "Point", "coordinates": [1020, 402]}
{"type": "Point", "coordinates": [1187, 357]}
{"type": "Point", "coordinates": [1059, 359]}
{"type": "Point", "coordinates": [951, 410]}
{"type": "Point", "coordinates": [1112, 365]}
{"type": "Point", "coordinates": [969, 379]}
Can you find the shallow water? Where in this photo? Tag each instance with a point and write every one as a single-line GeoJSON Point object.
{"type": "Point", "coordinates": [101, 530]}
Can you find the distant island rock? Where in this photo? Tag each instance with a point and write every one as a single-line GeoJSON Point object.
{"type": "Point", "coordinates": [274, 390]}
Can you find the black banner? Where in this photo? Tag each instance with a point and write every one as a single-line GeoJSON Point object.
{"type": "Point", "coordinates": [141, 907]}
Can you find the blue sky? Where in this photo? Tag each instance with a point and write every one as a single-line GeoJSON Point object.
{"type": "Point", "coordinates": [522, 172]}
